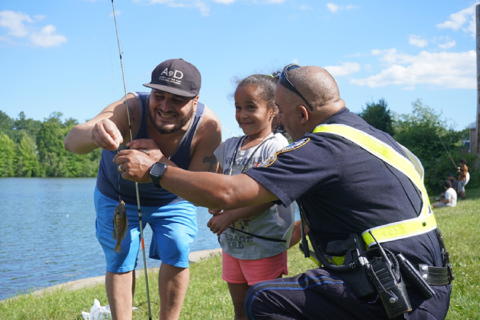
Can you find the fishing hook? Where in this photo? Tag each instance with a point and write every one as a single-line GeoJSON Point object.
{"type": "Point", "coordinates": [136, 183]}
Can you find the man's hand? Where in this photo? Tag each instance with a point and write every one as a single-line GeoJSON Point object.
{"type": "Point", "coordinates": [149, 147]}
{"type": "Point", "coordinates": [134, 165]}
{"type": "Point", "coordinates": [106, 135]}
{"type": "Point", "coordinates": [215, 211]}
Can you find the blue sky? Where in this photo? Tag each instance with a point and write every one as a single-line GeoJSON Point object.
{"type": "Point", "coordinates": [62, 56]}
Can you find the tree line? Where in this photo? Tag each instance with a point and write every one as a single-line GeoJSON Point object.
{"type": "Point", "coordinates": [32, 148]}
{"type": "Point", "coordinates": [429, 136]}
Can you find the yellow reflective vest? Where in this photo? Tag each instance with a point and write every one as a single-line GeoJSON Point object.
{"type": "Point", "coordinates": [410, 167]}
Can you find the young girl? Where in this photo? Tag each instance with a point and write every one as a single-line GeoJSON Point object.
{"type": "Point", "coordinates": [254, 240]}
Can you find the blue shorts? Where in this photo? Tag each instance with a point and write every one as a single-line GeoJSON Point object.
{"type": "Point", "coordinates": [174, 228]}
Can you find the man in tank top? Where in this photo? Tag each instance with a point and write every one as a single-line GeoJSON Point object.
{"type": "Point", "coordinates": [170, 125]}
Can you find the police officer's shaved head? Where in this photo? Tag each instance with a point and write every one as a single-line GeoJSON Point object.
{"type": "Point", "coordinates": [319, 88]}
{"type": "Point", "coordinates": [316, 84]}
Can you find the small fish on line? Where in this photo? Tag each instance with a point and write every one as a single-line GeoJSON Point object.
{"type": "Point", "coordinates": [120, 225]}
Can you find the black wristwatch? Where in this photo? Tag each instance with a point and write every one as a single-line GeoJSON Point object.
{"type": "Point", "coordinates": [156, 172]}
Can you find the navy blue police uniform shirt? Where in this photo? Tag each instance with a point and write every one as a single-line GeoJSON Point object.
{"type": "Point", "coordinates": [344, 189]}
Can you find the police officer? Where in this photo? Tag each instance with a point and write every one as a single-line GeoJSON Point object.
{"type": "Point", "coordinates": [350, 179]}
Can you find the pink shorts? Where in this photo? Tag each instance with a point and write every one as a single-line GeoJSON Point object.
{"type": "Point", "coordinates": [252, 271]}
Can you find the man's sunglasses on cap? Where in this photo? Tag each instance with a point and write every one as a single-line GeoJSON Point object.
{"type": "Point", "coordinates": [284, 81]}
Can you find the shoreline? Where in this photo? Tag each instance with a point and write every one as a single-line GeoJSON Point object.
{"type": "Point", "coordinates": [81, 283]}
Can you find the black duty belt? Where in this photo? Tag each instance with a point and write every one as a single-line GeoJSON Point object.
{"type": "Point", "coordinates": [435, 276]}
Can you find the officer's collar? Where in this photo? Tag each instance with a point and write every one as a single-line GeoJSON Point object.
{"type": "Point", "coordinates": [330, 120]}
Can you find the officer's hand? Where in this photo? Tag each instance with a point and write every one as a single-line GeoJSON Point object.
{"type": "Point", "coordinates": [147, 146]}
{"type": "Point", "coordinates": [106, 135]}
{"type": "Point", "coordinates": [134, 165]}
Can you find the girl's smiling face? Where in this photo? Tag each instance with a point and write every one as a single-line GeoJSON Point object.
{"type": "Point", "coordinates": [252, 112]}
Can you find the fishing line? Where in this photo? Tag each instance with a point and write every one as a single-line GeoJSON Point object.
{"type": "Point", "coordinates": [229, 131]}
{"type": "Point", "coordinates": [136, 183]}
{"type": "Point", "coordinates": [447, 151]}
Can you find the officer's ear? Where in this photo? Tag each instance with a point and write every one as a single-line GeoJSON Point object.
{"type": "Point", "coordinates": [303, 114]}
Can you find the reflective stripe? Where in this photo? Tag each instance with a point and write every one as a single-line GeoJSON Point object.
{"type": "Point", "coordinates": [415, 161]}
{"type": "Point", "coordinates": [398, 230]}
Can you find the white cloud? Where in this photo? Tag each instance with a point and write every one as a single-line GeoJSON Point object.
{"type": "Point", "coordinates": [224, 1]}
{"type": "Point", "coordinates": [21, 25]}
{"type": "Point", "coordinates": [334, 8]}
{"type": "Point", "coordinates": [437, 70]}
{"type": "Point", "coordinates": [459, 19]}
{"type": "Point", "coordinates": [417, 41]}
{"type": "Point", "coordinates": [448, 45]}
{"type": "Point", "coordinates": [204, 9]}
{"type": "Point", "coordinates": [471, 27]}
{"type": "Point", "coordinates": [345, 69]}
{"type": "Point", "coordinates": [305, 7]}
{"type": "Point", "coordinates": [47, 37]}
{"type": "Point", "coordinates": [15, 23]}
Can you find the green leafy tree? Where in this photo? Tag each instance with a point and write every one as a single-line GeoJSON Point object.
{"type": "Point", "coordinates": [27, 158]}
{"type": "Point", "coordinates": [31, 148]}
{"type": "Point", "coordinates": [28, 125]}
{"type": "Point", "coordinates": [53, 155]}
{"type": "Point", "coordinates": [432, 140]}
{"type": "Point", "coordinates": [81, 165]}
{"type": "Point", "coordinates": [7, 156]}
{"type": "Point", "coordinates": [378, 116]}
{"type": "Point", "coordinates": [6, 125]}
{"type": "Point", "coordinates": [69, 123]}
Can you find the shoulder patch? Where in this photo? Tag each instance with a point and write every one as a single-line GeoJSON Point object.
{"type": "Point", "coordinates": [295, 145]}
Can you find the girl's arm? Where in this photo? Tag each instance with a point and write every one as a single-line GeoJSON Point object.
{"type": "Point", "coordinates": [220, 221]}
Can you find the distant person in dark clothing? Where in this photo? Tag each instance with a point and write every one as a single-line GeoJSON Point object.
{"type": "Point", "coordinates": [462, 178]}
{"type": "Point", "coordinates": [454, 183]}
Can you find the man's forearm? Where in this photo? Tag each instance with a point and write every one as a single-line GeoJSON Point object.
{"type": "Point", "coordinates": [214, 190]}
{"type": "Point", "coordinates": [79, 141]}
{"type": "Point", "coordinates": [206, 189]}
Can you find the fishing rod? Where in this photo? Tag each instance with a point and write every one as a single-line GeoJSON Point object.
{"type": "Point", "coordinates": [447, 151]}
{"type": "Point", "coordinates": [136, 183]}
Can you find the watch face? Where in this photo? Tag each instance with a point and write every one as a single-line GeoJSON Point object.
{"type": "Point", "coordinates": [157, 170]}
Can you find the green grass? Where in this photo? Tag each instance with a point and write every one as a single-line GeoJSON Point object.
{"type": "Point", "coordinates": [208, 297]}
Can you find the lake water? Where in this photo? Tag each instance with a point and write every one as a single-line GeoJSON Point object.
{"type": "Point", "coordinates": [47, 234]}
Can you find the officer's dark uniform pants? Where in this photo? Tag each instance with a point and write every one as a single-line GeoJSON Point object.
{"type": "Point", "coordinates": [321, 294]}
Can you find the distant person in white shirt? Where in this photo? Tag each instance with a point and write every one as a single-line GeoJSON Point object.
{"type": "Point", "coordinates": [450, 196]}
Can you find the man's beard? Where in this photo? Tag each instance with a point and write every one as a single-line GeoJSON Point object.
{"type": "Point", "coordinates": [163, 129]}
